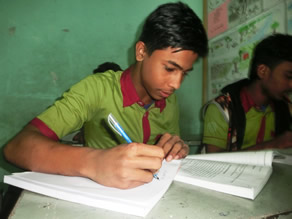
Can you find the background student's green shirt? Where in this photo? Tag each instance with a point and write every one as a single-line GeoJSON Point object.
{"type": "Point", "coordinates": [216, 128]}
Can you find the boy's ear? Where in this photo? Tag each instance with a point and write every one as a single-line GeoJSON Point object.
{"type": "Point", "coordinates": [140, 50]}
{"type": "Point", "coordinates": [263, 71]}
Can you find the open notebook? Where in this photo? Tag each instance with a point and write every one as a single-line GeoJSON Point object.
{"type": "Point", "coordinates": [137, 201]}
{"type": "Point", "coordinates": [237, 173]}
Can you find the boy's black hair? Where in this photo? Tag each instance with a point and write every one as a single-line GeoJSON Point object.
{"type": "Point", "coordinates": [107, 66]}
{"type": "Point", "coordinates": [271, 51]}
{"type": "Point", "coordinates": [174, 25]}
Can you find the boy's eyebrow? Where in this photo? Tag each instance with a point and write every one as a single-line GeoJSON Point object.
{"type": "Point", "coordinates": [178, 66]}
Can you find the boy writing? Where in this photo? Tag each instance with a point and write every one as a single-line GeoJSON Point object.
{"type": "Point", "coordinates": [141, 98]}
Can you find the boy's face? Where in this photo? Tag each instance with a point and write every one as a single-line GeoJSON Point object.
{"type": "Point", "coordinates": [163, 72]}
{"type": "Point", "coordinates": [278, 82]}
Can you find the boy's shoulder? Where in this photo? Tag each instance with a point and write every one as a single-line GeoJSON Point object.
{"type": "Point", "coordinates": [105, 78]}
{"type": "Point", "coordinates": [222, 103]}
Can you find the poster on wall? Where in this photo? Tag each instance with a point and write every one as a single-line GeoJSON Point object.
{"type": "Point", "coordinates": [230, 53]}
{"type": "Point", "coordinates": [218, 19]}
{"type": "Point", "coordinates": [268, 4]}
{"type": "Point", "coordinates": [240, 11]}
{"type": "Point", "coordinates": [213, 4]}
{"type": "Point", "coordinates": [223, 15]}
{"type": "Point", "coordinates": [289, 15]}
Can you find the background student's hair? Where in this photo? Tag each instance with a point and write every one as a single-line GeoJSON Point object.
{"type": "Point", "coordinates": [158, 32]}
{"type": "Point", "coordinates": [271, 51]}
{"type": "Point", "coordinates": [107, 66]}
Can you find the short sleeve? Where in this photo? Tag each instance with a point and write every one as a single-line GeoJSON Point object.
{"type": "Point", "coordinates": [215, 127]}
{"type": "Point", "coordinates": [70, 112]}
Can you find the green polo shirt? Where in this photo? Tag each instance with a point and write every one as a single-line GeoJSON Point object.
{"type": "Point", "coordinates": [260, 125]}
{"type": "Point", "coordinates": [89, 102]}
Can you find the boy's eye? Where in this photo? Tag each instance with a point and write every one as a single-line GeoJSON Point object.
{"type": "Point", "coordinates": [169, 69]}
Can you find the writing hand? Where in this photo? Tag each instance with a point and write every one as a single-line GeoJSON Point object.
{"type": "Point", "coordinates": [173, 146]}
{"type": "Point", "coordinates": [124, 166]}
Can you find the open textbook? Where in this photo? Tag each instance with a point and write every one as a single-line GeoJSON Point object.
{"type": "Point", "coordinates": [137, 201]}
{"type": "Point", "coordinates": [238, 173]}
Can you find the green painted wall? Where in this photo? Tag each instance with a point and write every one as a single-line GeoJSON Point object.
{"type": "Point", "coordinates": [47, 46]}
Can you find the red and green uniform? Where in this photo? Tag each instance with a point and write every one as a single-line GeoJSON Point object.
{"type": "Point", "coordinates": [260, 124]}
{"type": "Point", "coordinates": [89, 102]}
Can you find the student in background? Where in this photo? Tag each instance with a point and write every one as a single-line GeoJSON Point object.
{"type": "Point", "coordinates": [107, 66]}
{"type": "Point", "coordinates": [253, 113]}
{"type": "Point", "coordinates": [141, 98]}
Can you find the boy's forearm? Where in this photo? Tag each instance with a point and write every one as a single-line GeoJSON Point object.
{"type": "Point", "coordinates": [213, 149]}
{"type": "Point", "coordinates": [124, 166]}
{"type": "Point", "coordinates": [281, 142]}
{"type": "Point", "coordinates": [265, 145]}
{"type": "Point", "coordinates": [33, 151]}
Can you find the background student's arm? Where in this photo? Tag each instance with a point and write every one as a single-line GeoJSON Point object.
{"type": "Point", "coordinates": [213, 149]}
{"type": "Point", "coordinates": [281, 142]}
{"type": "Point", "coordinates": [124, 166]}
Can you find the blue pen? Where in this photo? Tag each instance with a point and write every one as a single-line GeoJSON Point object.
{"type": "Point", "coordinates": [118, 129]}
{"type": "Point", "coordinates": [156, 176]}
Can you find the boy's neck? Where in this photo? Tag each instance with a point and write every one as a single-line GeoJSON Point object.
{"type": "Point", "coordinates": [256, 92]}
{"type": "Point", "coordinates": [136, 78]}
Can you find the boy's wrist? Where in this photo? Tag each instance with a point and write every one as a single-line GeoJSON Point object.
{"type": "Point", "coordinates": [89, 162]}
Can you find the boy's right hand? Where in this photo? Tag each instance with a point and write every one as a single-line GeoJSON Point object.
{"type": "Point", "coordinates": [124, 166]}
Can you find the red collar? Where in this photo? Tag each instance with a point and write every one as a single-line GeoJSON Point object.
{"type": "Point", "coordinates": [130, 95]}
{"type": "Point", "coordinates": [248, 102]}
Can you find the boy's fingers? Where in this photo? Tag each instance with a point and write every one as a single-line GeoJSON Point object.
{"type": "Point", "coordinates": [147, 150]}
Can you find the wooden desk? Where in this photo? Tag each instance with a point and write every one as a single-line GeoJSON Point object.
{"type": "Point", "coordinates": [180, 201]}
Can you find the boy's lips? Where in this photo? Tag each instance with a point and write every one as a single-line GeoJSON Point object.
{"type": "Point", "coordinates": [165, 94]}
